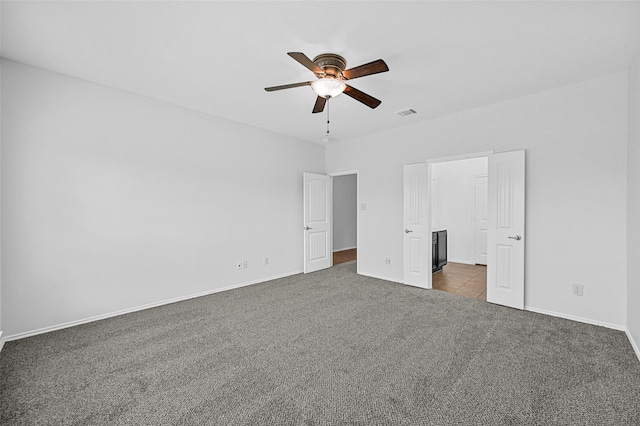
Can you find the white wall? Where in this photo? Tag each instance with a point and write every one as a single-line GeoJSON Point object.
{"type": "Point", "coordinates": [454, 205]}
{"type": "Point", "coordinates": [633, 207]}
{"type": "Point", "coordinates": [345, 198]}
{"type": "Point", "coordinates": [576, 142]}
{"type": "Point", "coordinates": [113, 201]}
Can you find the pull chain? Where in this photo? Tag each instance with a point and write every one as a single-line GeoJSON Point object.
{"type": "Point", "coordinates": [327, 136]}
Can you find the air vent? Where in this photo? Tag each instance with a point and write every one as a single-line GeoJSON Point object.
{"type": "Point", "coordinates": [406, 112]}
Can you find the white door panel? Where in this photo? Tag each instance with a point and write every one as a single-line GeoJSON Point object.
{"type": "Point", "coordinates": [317, 222]}
{"type": "Point", "coordinates": [417, 247]}
{"type": "Point", "coordinates": [505, 254]}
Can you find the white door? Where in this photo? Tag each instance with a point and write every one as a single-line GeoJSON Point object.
{"type": "Point", "coordinates": [505, 255]}
{"type": "Point", "coordinates": [417, 244]}
{"type": "Point", "coordinates": [317, 222]}
{"type": "Point", "coordinates": [480, 220]}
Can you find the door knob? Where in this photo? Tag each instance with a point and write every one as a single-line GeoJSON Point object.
{"type": "Point", "coordinates": [406, 231]}
{"type": "Point", "coordinates": [517, 238]}
{"type": "Point", "coordinates": [306, 228]}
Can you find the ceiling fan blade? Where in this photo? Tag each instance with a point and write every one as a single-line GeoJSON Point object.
{"type": "Point", "coordinates": [368, 100]}
{"type": "Point", "coordinates": [287, 86]}
{"type": "Point", "coordinates": [374, 67]}
{"type": "Point", "coordinates": [304, 60]}
{"type": "Point", "coordinates": [319, 106]}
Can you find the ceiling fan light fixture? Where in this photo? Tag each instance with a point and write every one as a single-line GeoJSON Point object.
{"type": "Point", "coordinates": [328, 87]}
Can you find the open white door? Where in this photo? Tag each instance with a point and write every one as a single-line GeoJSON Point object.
{"type": "Point", "coordinates": [317, 222]}
{"type": "Point", "coordinates": [417, 244]}
{"type": "Point", "coordinates": [505, 254]}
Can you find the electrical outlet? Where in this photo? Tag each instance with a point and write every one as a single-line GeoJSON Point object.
{"type": "Point", "coordinates": [239, 265]}
{"type": "Point", "coordinates": [387, 260]}
{"type": "Point", "coordinates": [266, 260]}
{"type": "Point", "coordinates": [245, 264]}
{"type": "Point", "coordinates": [578, 290]}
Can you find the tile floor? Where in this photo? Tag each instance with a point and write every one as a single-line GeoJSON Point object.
{"type": "Point", "coordinates": [465, 280]}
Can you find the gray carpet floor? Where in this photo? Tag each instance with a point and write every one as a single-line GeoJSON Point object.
{"type": "Point", "coordinates": [327, 348]}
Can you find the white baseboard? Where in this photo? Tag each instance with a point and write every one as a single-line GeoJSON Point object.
{"type": "Point", "coordinates": [575, 318]}
{"type": "Point", "coordinates": [138, 308]}
{"type": "Point", "coordinates": [634, 345]}
{"type": "Point", "coordinates": [618, 327]}
{"type": "Point", "coordinates": [466, 262]}
{"type": "Point", "coordinates": [393, 280]}
{"type": "Point", "coordinates": [343, 249]}
{"type": "Point", "coordinates": [379, 277]}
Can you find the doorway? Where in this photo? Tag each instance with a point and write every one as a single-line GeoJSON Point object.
{"type": "Point", "coordinates": [321, 209]}
{"type": "Point", "coordinates": [505, 229]}
{"type": "Point", "coordinates": [345, 217]}
{"type": "Point", "coordinates": [459, 214]}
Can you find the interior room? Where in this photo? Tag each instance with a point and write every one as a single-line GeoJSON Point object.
{"type": "Point", "coordinates": [154, 227]}
{"type": "Point", "coordinates": [459, 210]}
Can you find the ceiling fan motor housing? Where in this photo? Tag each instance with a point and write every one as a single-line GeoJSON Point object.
{"type": "Point", "coordinates": [332, 64]}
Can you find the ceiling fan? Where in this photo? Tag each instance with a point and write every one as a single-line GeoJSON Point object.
{"type": "Point", "coordinates": [330, 72]}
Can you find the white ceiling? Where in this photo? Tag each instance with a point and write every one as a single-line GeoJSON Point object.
{"type": "Point", "coordinates": [217, 57]}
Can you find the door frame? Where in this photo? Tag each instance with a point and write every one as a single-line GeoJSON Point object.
{"type": "Point", "coordinates": [358, 208]}
{"type": "Point", "coordinates": [430, 163]}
